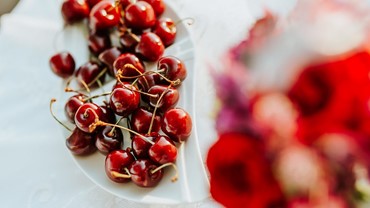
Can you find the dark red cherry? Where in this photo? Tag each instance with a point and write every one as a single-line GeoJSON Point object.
{"type": "Point", "coordinates": [86, 115]}
{"type": "Point", "coordinates": [140, 146]}
{"type": "Point", "coordinates": [142, 173]}
{"type": "Point", "coordinates": [163, 150]}
{"type": "Point", "coordinates": [129, 41]}
{"type": "Point", "coordinates": [125, 100]}
{"type": "Point", "coordinates": [173, 68]}
{"type": "Point", "coordinates": [117, 162]}
{"type": "Point", "coordinates": [92, 3]}
{"type": "Point", "coordinates": [104, 15]}
{"type": "Point", "coordinates": [108, 57]}
{"type": "Point", "coordinates": [88, 72]}
{"type": "Point", "coordinates": [75, 10]}
{"type": "Point", "coordinates": [165, 29]}
{"type": "Point", "coordinates": [148, 80]}
{"type": "Point", "coordinates": [62, 64]}
{"type": "Point", "coordinates": [140, 15]}
{"type": "Point", "coordinates": [150, 47]}
{"type": "Point", "coordinates": [169, 100]}
{"type": "Point", "coordinates": [71, 106]}
{"type": "Point", "coordinates": [81, 143]}
{"type": "Point", "coordinates": [128, 58]}
{"type": "Point", "coordinates": [177, 124]}
{"type": "Point", "coordinates": [108, 114]}
{"type": "Point", "coordinates": [108, 140]}
{"type": "Point", "coordinates": [98, 43]}
{"type": "Point", "coordinates": [141, 119]}
{"type": "Point", "coordinates": [158, 6]}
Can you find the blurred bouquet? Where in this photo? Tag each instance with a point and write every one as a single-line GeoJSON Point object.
{"type": "Point", "coordinates": [294, 114]}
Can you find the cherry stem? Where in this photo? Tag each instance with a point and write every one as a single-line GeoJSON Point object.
{"type": "Point", "coordinates": [192, 20]}
{"type": "Point", "coordinates": [53, 100]}
{"type": "Point", "coordinates": [156, 107]}
{"type": "Point", "coordinates": [111, 131]}
{"type": "Point", "coordinates": [119, 175]}
{"type": "Point", "coordinates": [141, 92]}
{"type": "Point", "coordinates": [68, 89]}
{"type": "Point", "coordinates": [173, 82]}
{"type": "Point", "coordinates": [98, 77]}
{"type": "Point", "coordinates": [101, 123]}
{"type": "Point", "coordinates": [96, 96]}
{"type": "Point", "coordinates": [175, 177]}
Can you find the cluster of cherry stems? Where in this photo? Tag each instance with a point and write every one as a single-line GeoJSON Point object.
{"type": "Point", "coordinates": [146, 99]}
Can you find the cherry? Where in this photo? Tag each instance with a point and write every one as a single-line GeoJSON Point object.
{"type": "Point", "coordinates": [129, 41]}
{"type": "Point", "coordinates": [140, 15]}
{"type": "Point", "coordinates": [87, 115]}
{"type": "Point", "coordinates": [173, 68]}
{"type": "Point", "coordinates": [129, 65]}
{"type": "Point", "coordinates": [150, 47]}
{"type": "Point", "coordinates": [165, 29]}
{"type": "Point", "coordinates": [89, 73]}
{"type": "Point", "coordinates": [108, 114]}
{"type": "Point", "coordinates": [92, 3]}
{"type": "Point", "coordinates": [177, 124]}
{"type": "Point", "coordinates": [62, 64]}
{"type": "Point", "coordinates": [104, 15]}
{"type": "Point", "coordinates": [147, 81]}
{"type": "Point", "coordinates": [108, 139]}
{"type": "Point", "coordinates": [141, 146]}
{"type": "Point", "coordinates": [125, 3]}
{"type": "Point", "coordinates": [124, 100]}
{"type": "Point", "coordinates": [169, 100]}
{"type": "Point", "coordinates": [141, 119]}
{"type": "Point", "coordinates": [158, 6]}
{"type": "Point", "coordinates": [117, 163]}
{"type": "Point", "coordinates": [80, 142]}
{"type": "Point", "coordinates": [72, 104]}
{"type": "Point", "coordinates": [108, 57]}
{"type": "Point", "coordinates": [142, 173]}
{"type": "Point", "coordinates": [163, 150]}
{"type": "Point", "coordinates": [74, 10]}
{"type": "Point", "coordinates": [98, 43]}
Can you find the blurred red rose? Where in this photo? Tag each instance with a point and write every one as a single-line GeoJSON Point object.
{"type": "Point", "coordinates": [240, 174]}
{"type": "Point", "coordinates": [333, 95]}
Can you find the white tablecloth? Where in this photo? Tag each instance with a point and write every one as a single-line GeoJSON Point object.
{"type": "Point", "coordinates": [36, 170]}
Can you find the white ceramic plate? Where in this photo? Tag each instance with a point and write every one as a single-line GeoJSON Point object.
{"type": "Point", "coordinates": [192, 185]}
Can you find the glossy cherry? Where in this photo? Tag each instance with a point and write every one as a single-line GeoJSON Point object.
{"type": "Point", "coordinates": [142, 173]}
{"type": "Point", "coordinates": [169, 99]}
{"type": "Point", "coordinates": [108, 57]}
{"type": "Point", "coordinates": [118, 161]}
{"type": "Point", "coordinates": [104, 15]}
{"type": "Point", "coordinates": [140, 15]}
{"type": "Point", "coordinates": [72, 104]}
{"type": "Point", "coordinates": [124, 100]}
{"type": "Point", "coordinates": [158, 6]}
{"type": "Point", "coordinates": [173, 68]}
{"type": "Point", "coordinates": [88, 72]}
{"type": "Point", "coordinates": [86, 116]}
{"type": "Point", "coordinates": [98, 43]}
{"type": "Point", "coordinates": [141, 119]}
{"type": "Point", "coordinates": [74, 10]}
{"type": "Point", "coordinates": [177, 124]}
{"type": "Point", "coordinates": [80, 142]}
{"type": "Point", "coordinates": [165, 29]}
{"type": "Point", "coordinates": [125, 59]}
{"type": "Point", "coordinates": [150, 47]}
{"type": "Point", "coordinates": [129, 41]}
{"type": "Point", "coordinates": [163, 150]}
{"type": "Point", "coordinates": [148, 80]}
{"type": "Point", "coordinates": [108, 140]}
{"type": "Point", "coordinates": [62, 64]}
{"type": "Point", "coordinates": [140, 146]}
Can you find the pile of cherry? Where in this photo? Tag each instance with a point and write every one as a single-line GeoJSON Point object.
{"type": "Point", "coordinates": [145, 99]}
